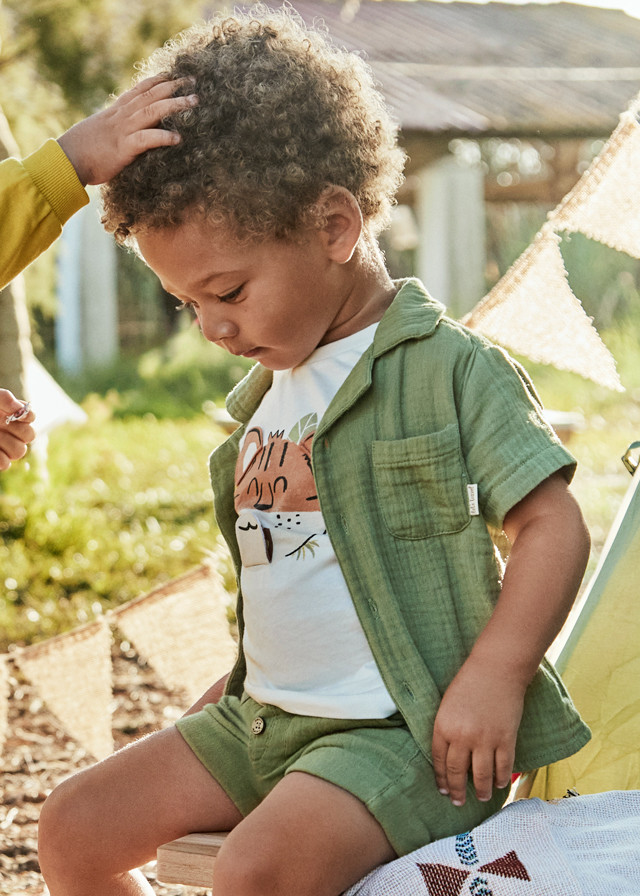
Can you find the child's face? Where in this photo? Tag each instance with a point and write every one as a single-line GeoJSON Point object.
{"type": "Point", "coordinates": [272, 301]}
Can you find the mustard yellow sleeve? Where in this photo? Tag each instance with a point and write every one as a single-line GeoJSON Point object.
{"type": "Point", "coordinates": [37, 196]}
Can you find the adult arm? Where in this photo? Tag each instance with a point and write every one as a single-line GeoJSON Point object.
{"type": "Point", "coordinates": [40, 193]}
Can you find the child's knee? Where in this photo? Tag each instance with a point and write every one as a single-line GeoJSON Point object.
{"type": "Point", "coordinates": [244, 869]}
{"type": "Point", "coordinates": [61, 827]}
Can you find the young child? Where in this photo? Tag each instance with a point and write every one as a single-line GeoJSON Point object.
{"type": "Point", "coordinates": [390, 677]}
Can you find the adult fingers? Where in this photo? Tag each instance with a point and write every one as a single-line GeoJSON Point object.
{"type": "Point", "coordinates": [153, 98]}
{"type": "Point", "coordinates": [11, 448]}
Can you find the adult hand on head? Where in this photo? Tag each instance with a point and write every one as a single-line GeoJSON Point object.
{"type": "Point", "coordinates": [16, 431]}
{"type": "Point", "coordinates": [103, 144]}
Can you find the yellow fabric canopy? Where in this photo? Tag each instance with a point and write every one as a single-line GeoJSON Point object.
{"type": "Point", "coordinates": [598, 656]}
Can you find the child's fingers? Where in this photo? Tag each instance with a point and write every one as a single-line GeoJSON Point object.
{"type": "Point", "coordinates": [439, 756]}
{"type": "Point", "coordinates": [505, 760]}
{"type": "Point", "coordinates": [483, 774]}
{"type": "Point", "coordinates": [458, 762]}
{"type": "Point", "coordinates": [451, 765]}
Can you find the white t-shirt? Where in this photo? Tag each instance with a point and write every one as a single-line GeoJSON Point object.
{"type": "Point", "coordinates": [305, 649]}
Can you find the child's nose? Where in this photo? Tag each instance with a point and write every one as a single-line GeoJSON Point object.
{"type": "Point", "coordinates": [216, 329]}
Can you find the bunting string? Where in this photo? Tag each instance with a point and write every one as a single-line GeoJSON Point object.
{"type": "Point", "coordinates": [181, 629]}
{"type": "Point", "coordinates": [532, 310]}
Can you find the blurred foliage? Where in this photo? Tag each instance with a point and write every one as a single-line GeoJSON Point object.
{"type": "Point", "coordinates": [126, 507]}
{"type": "Point", "coordinates": [174, 380]}
{"type": "Point", "coordinates": [87, 48]}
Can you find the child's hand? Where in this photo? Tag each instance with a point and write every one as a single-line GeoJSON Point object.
{"type": "Point", "coordinates": [475, 732]}
{"type": "Point", "coordinates": [103, 144]}
{"type": "Point", "coordinates": [15, 429]}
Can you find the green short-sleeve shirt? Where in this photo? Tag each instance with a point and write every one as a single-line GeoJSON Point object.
{"type": "Point", "coordinates": [433, 437]}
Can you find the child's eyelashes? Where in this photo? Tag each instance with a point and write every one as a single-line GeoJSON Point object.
{"type": "Point", "coordinates": [231, 296]}
{"type": "Point", "coordinates": [227, 298]}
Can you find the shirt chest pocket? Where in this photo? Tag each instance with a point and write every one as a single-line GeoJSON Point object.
{"type": "Point", "coordinates": [421, 484]}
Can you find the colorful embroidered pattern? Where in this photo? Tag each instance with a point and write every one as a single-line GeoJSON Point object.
{"type": "Point", "coordinates": [466, 849]}
{"type": "Point", "coordinates": [444, 880]}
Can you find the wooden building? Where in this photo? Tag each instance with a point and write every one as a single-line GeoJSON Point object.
{"type": "Point", "coordinates": [496, 103]}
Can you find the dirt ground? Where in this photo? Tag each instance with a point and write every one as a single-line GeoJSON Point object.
{"type": "Point", "coordinates": [37, 754]}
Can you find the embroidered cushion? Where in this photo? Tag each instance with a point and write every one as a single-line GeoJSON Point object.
{"type": "Point", "coordinates": [583, 846]}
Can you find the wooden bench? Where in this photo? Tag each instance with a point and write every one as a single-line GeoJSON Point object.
{"type": "Point", "coordinates": [189, 860]}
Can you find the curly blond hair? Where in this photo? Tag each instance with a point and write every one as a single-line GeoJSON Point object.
{"type": "Point", "coordinates": [282, 115]}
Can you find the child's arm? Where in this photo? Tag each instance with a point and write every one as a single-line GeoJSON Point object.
{"type": "Point", "coordinates": [101, 145]}
{"type": "Point", "coordinates": [477, 723]}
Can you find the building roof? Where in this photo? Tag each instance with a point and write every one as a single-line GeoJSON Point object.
{"type": "Point", "coordinates": [454, 69]}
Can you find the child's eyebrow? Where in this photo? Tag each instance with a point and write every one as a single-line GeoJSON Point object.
{"type": "Point", "coordinates": [207, 280]}
{"type": "Point", "coordinates": [210, 278]}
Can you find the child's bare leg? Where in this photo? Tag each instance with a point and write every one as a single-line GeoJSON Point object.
{"type": "Point", "coordinates": [111, 818]}
{"type": "Point", "coordinates": [307, 838]}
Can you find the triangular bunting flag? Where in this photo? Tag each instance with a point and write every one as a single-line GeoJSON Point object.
{"type": "Point", "coordinates": [507, 866]}
{"type": "Point", "coordinates": [72, 674]}
{"type": "Point", "coordinates": [4, 698]}
{"type": "Point", "coordinates": [183, 631]}
{"type": "Point", "coordinates": [532, 311]}
{"type": "Point", "coordinates": [604, 203]}
{"type": "Point", "coordinates": [443, 880]}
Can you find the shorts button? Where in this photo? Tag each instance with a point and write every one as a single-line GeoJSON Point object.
{"type": "Point", "coordinates": [257, 726]}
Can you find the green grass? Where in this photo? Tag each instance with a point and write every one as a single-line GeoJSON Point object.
{"type": "Point", "coordinates": [127, 506]}
{"type": "Point", "coordinates": [127, 502]}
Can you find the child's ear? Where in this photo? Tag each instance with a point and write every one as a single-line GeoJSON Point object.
{"type": "Point", "coordinates": [343, 223]}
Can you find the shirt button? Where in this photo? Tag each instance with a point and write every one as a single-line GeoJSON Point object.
{"type": "Point", "coordinates": [257, 726]}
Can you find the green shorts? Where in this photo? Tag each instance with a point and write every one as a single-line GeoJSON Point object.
{"type": "Point", "coordinates": [248, 748]}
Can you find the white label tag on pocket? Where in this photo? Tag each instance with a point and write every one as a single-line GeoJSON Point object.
{"type": "Point", "coordinates": [472, 493]}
